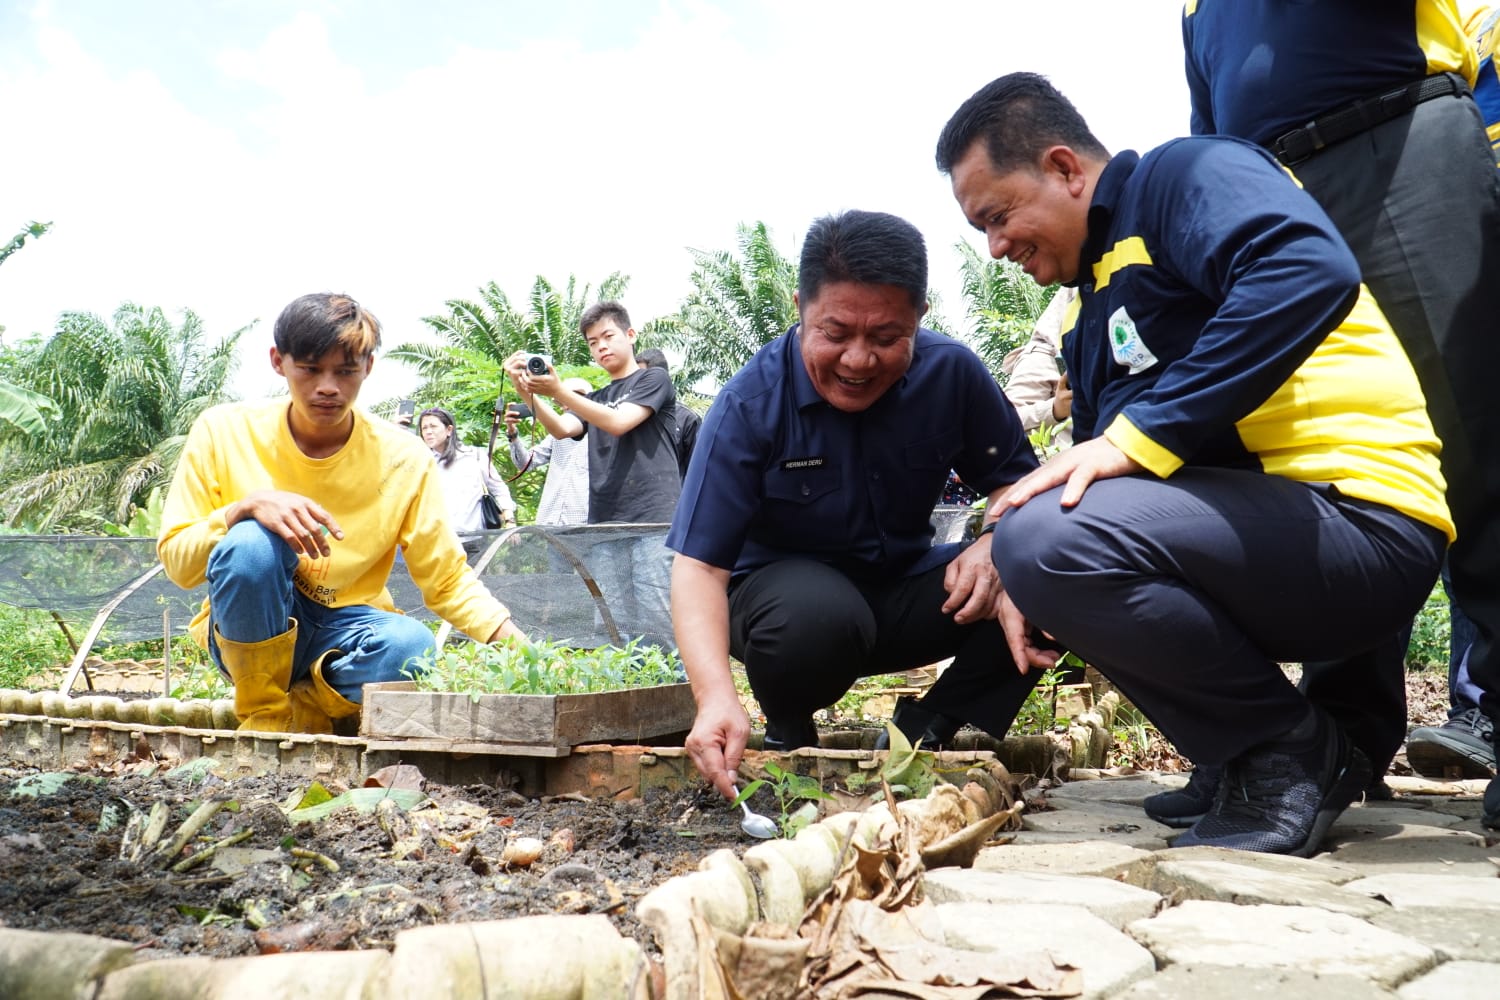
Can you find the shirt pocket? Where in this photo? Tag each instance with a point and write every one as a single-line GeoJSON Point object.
{"type": "Point", "coordinates": [802, 486]}
{"type": "Point", "coordinates": [929, 454]}
{"type": "Point", "coordinates": [807, 510]}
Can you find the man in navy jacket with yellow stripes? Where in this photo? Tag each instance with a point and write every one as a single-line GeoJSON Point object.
{"type": "Point", "coordinates": [1255, 479]}
{"type": "Point", "coordinates": [1369, 105]}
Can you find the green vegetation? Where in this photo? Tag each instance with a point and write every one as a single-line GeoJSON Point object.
{"type": "Point", "coordinates": [21, 409]}
{"type": "Point", "coordinates": [1003, 305]}
{"type": "Point", "coordinates": [852, 705]}
{"type": "Point", "coordinates": [31, 643]}
{"type": "Point", "coordinates": [1430, 634]}
{"type": "Point", "coordinates": [739, 303]}
{"type": "Point", "coordinates": [126, 393]}
{"type": "Point", "coordinates": [1037, 714]}
{"type": "Point", "coordinates": [35, 230]}
{"type": "Point", "coordinates": [543, 667]}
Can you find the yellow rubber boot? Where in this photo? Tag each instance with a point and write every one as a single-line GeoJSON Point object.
{"type": "Point", "coordinates": [261, 672]}
{"type": "Point", "coordinates": [316, 705]}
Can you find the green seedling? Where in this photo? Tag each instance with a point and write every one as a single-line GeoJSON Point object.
{"type": "Point", "coordinates": [789, 789]}
{"type": "Point", "coordinates": [543, 667]}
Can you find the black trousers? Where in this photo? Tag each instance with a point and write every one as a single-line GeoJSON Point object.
{"type": "Point", "coordinates": [1418, 200]}
{"type": "Point", "coordinates": [1189, 592]}
{"type": "Point", "coordinates": [806, 632]}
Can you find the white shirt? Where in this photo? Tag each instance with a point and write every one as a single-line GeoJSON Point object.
{"type": "Point", "coordinates": [463, 482]}
{"type": "Point", "coordinates": [565, 493]}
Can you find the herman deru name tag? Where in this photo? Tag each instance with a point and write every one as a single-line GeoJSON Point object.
{"type": "Point", "coordinates": [813, 462]}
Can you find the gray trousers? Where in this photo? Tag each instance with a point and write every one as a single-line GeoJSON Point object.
{"type": "Point", "coordinates": [1418, 200]}
{"type": "Point", "coordinates": [1188, 592]}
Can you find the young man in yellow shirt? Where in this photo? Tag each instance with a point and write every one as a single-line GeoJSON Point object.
{"type": "Point", "coordinates": [292, 510]}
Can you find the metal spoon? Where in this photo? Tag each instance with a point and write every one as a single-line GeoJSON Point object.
{"type": "Point", "coordinates": [756, 825]}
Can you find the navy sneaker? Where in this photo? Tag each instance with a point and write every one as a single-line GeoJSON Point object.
{"type": "Point", "coordinates": [934, 730]}
{"type": "Point", "coordinates": [1462, 747]}
{"type": "Point", "coordinates": [1492, 804]}
{"type": "Point", "coordinates": [1281, 798]}
{"type": "Point", "coordinates": [1182, 807]}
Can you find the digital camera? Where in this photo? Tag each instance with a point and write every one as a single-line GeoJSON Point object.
{"type": "Point", "coordinates": [538, 364]}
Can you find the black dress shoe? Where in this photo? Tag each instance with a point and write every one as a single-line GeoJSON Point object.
{"type": "Point", "coordinates": [932, 729]}
{"type": "Point", "coordinates": [784, 737]}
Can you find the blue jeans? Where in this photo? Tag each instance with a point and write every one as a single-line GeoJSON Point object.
{"type": "Point", "coordinates": [251, 598]}
{"type": "Point", "coordinates": [1463, 693]}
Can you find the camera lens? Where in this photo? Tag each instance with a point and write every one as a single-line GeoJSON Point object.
{"type": "Point", "coordinates": [536, 365]}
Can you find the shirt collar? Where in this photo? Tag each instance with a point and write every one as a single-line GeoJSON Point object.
{"type": "Point", "coordinates": [1107, 191]}
{"type": "Point", "coordinates": [803, 391]}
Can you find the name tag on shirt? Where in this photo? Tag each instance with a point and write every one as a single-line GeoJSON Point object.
{"type": "Point", "coordinates": [802, 463]}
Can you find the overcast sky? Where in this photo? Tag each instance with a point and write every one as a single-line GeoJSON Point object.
{"type": "Point", "coordinates": [226, 156]}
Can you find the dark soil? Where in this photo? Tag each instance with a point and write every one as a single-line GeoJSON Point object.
{"type": "Point", "coordinates": [59, 872]}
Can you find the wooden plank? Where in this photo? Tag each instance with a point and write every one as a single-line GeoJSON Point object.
{"type": "Point", "coordinates": [635, 715]}
{"type": "Point", "coordinates": [466, 748]}
{"type": "Point", "coordinates": [397, 711]}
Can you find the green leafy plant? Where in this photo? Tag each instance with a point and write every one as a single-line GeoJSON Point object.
{"type": "Point", "coordinates": [33, 644]}
{"type": "Point", "coordinates": [199, 677]}
{"type": "Point", "coordinates": [143, 522]}
{"type": "Point", "coordinates": [1132, 738]}
{"type": "Point", "coordinates": [852, 704]}
{"type": "Point", "coordinates": [1043, 443]}
{"type": "Point", "coordinates": [909, 770]}
{"type": "Point", "coordinates": [543, 667]}
{"type": "Point", "coordinates": [789, 788]}
{"type": "Point", "coordinates": [1037, 714]}
{"type": "Point", "coordinates": [1431, 632]}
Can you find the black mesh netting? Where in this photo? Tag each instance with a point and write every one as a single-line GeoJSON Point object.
{"type": "Point", "coordinates": [584, 586]}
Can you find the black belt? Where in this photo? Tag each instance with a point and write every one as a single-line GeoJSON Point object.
{"type": "Point", "coordinates": [1297, 145]}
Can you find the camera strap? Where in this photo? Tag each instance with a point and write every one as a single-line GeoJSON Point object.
{"type": "Point", "coordinates": [495, 418]}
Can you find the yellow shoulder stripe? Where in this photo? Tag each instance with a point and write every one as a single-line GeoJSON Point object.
{"type": "Point", "coordinates": [1131, 250]}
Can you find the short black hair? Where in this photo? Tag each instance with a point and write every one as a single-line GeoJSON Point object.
{"type": "Point", "coordinates": [652, 357]}
{"type": "Point", "coordinates": [1017, 117]}
{"type": "Point", "coordinates": [600, 311]}
{"type": "Point", "coordinates": [315, 324]}
{"type": "Point", "coordinates": [872, 248]}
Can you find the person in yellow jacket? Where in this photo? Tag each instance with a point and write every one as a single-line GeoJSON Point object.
{"type": "Point", "coordinates": [293, 510]}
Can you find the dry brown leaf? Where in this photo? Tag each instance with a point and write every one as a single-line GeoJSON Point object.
{"type": "Point", "coordinates": [765, 963]}
{"type": "Point", "coordinates": [712, 984]}
{"type": "Point", "coordinates": [963, 847]}
{"type": "Point", "coordinates": [397, 776]}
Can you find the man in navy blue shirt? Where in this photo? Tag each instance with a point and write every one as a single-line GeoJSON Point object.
{"type": "Point", "coordinates": [1254, 477]}
{"type": "Point", "coordinates": [804, 534]}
